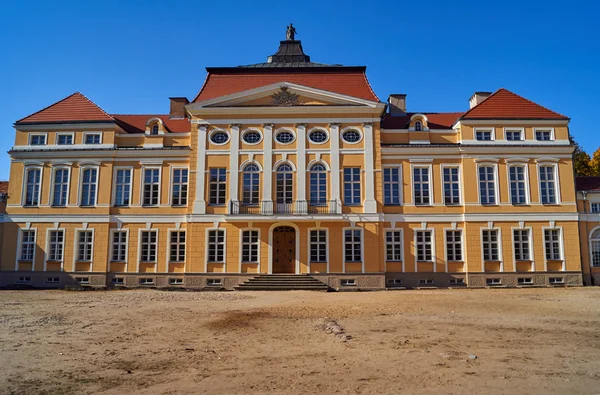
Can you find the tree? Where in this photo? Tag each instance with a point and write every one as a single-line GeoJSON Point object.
{"type": "Point", "coordinates": [582, 161]}
{"type": "Point", "coordinates": [595, 163]}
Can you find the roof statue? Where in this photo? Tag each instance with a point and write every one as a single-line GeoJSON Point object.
{"type": "Point", "coordinates": [290, 34]}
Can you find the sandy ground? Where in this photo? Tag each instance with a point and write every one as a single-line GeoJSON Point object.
{"type": "Point", "coordinates": [534, 341]}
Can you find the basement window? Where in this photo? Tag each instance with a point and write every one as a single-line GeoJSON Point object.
{"type": "Point", "coordinates": [52, 280]}
{"type": "Point", "coordinates": [146, 281]}
{"type": "Point", "coordinates": [457, 281]}
{"type": "Point", "coordinates": [425, 281]}
{"type": "Point", "coordinates": [24, 280]}
{"type": "Point", "coordinates": [176, 281]}
{"type": "Point", "coordinates": [212, 282]}
{"type": "Point", "coordinates": [394, 282]}
{"type": "Point", "coordinates": [525, 280]}
{"type": "Point", "coordinates": [557, 280]}
{"type": "Point", "coordinates": [493, 281]}
{"type": "Point", "coordinates": [347, 282]}
{"type": "Point", "coordinates": [118, 281]}
{"type": "Point", "coordinates": [82, 280]}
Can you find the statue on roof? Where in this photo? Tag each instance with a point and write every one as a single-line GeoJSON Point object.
{"type": "Point", "coordinates": [290, 34]}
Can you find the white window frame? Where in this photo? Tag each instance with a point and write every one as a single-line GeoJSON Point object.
{"type": "Point", "coordinates": [385, 245]}
{"type": "Point", "coordinates": [597, 204]}
{"type": "Point", "coordinates": [71, 134]}
{"type": "Point", "coordinates": [525, 167]}
{"type": "Point", "coordinates": [76, 247]}
{"type": "Point", "coordinates": [461, 246]}
{"type": "Point", "coordinates": [37, 134]}
{"type": "Point", "coordinates": [208, 245]}
{"type": "Point", "coordinates": [499, 241]}
{"type": "Point", "coordinates": [529, 240]}
{"type": "Point", "coordinates": [400, 184]}
{"type": "Point", "coordinates": [172, 185]}
{"type": "Point", "coordinates": [412, 183]}
{"type": "Point", "coordinates": [143, 183]}
{"type": "Point", "coordinates": [112, 247]}
{"type": "Point", "coordinates": [353, 184]}
{"type": "Point", "coordinates": [178, 245]}
{"type": "Point", "coordinates": [416, 244]}
{"type": "Point", "coordinates": [492, 134]}
{"type": "Point", "coordinates": [82, 169]}
{"type": "Point", "coordinates": [47, 257]}
{"type": "Point", "coordinates": [551, 130]}
{"type": "Point", "coordinates": [53, 182]}
{"type": "Point", "coordinates": [212, 132]}
{"type": "Point", "coordinates": [460, 183]}
{"type": "Point", "coordinates": [85, 134]}
{"type": "Point", "coordinates": [556, 182]}
{"type": "Point", "coordinates": [242, 244]}
{"type": "Point", "coordinates": [494, 167]}
{"type": "Point", "coordinates": [362, 247]}
{"type": "Point", "coordinates": [26, 170]}
{"type": "Point", "coordinates": [20, 248]}
{"type": "Point", "coordinates": [318, 129]}
{"type": "Point", "coordinates": [350, 128]}
{"type": "Point", "coordinates": [221, 186]}
{"type": "Point", "coordinates": [561, 245]}
{"type": "Point", "coordinates": [251, 130]}
{"type": "Point", "coordinates": [251, 201]}
{"type": "Point", "coordinates": [139, 260]}
{"type": "Point", "coordinates": [114, 186]}
{"type": "Point", "coordinates": [514, 129]}
{"type": "Point", "coordinates": [593, 241]}
{"type": "Point", "coordinates": [310, 261]}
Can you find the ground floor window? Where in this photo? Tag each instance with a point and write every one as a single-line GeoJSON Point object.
{"type": "Point", "coordinates": [177, 246]}
{"type": "Point", "coordinates": [85, 243]}
{"type": "Point", "coordinates": [393, 245]}
{"type": "Point", "coordinates": [454, 245]}
{"type": "Point", "coordinates": [216, 246]}
{"type": "Point", "coordinates": [148, 245]}
{"type": "Point", "coordinates": [489, 242]}
{"type": "Point", "coordinates": [595, 247]}
{"type": "Point", "coordinates": [552, 244]}
{"type": "Point", "coordinates": [353, 245]}
{"type": "Point", "coordinates": [56, 243]}
{"type": "Point", "coordinates": [424, 245]}
{"type": "Point", "coordinates": [119, 246]}
{"type": "Point", "coordinates": [27, 245]}
{"type": "Point", "coordinates": [250, 246]}
{"type": "Point", "coordinates": [318, 245]}
{"type": "Point", "coordinates": [521, 244]}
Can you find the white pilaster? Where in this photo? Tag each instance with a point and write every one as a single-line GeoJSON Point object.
{"type": "Point", "coordinates": [301, 204]}
{"type": "Point", "coordinates": [370, 204]}
{"type": "Point", "coordinates": [268, 164]}
{"type": "Point", "coordinates": [200, 203]}
{"type": "Point", "coordinates": [234, 159]}
{"type": "Point", "coordinates": [334, 138]}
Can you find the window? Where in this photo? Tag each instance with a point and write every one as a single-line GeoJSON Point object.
{"type": "Point", "coordinates": [285, 185]}
{"type": "Point", "coordinates": [487, 185]}
{"type": "Point", "coordinates": [23, 280]}
{"type": "Point", "coordinates": [27, 245]}
{"type": "Point", "coordinates": [525, 280]}
{"type": "Point", "coordinates": [454, 246]}
{"type": "Point", "coordinates": [119, 246]}
{"type": "Point", "coordinates": [118, 281]}
{"type": "Point", "coordinates": [352, 186]}
{"type": "Point", "coordinates": [251, 185]}
{"type": "Point", "coordinates": [489, 241]}
{"type": "Point", "coordinates": [148, 245]}
{"type": "Point", "coordinates": [393, 246]}
{"type": "Point", "coordinates": [418, 126]}
{"type": "Point", "coordinates": [556, 280]}
{"type": "Point", "coordinates": [351, 136]}
{"type": "Point", "coordinates": [425, 281]}
{"type": "Point", "coordinates": [518, 194]}
{"type": "Point", "coordinates": [543, 135]}
{"type": "Point", "coordinates": [394, 282]}
{"type": "Point", "coordinates": [318, 245]}
{"type": "Point", "coordinates": [353, 245]}
{"type": "Point", "coordinates": [52, 280]}
{"type": "Point", "coordinates": [595, 207]}
{"type": "Point", "coordinates": [151, 187]}
{"type": "Point", "coordinates": [177, 246]}
{"type": "Point", "coordinates": [285, 137]}
{"type": "Point", "coordinates": [217, 186]}
{"type": "Point", "coordinates": [146, 281]}
{"type": "Point", "coordinates": [180, 187]}
{"type": "Point", "coordinates": [37, 139]}
{"type": "Point", "coordinates": [216, 246]}
{"type": "Point", "coordinates": [92, 138]}
{"type": "Point", "coordinates": [64, 139]}
{"type": "Point", "coordinates": [347, 282]}
{"type": "Point", "coordinates": [318, 185]}
{"type": "Point", "coordinates": [424, 245]}
{"type": "Point", "coordinates": [250, 246]}
{"type": "Point", "coordinates": [318, 136]}
{"type": "Point", "coordinates": [493, 281]}
{"type": "Point", "coordinates": [483, 135]}
{"type": "Point", "coordinates": [176, 281]}
{"type": "Point", "coordinates": [60, 188]}
{"type": "Point", "coordinates": [547, 184]}
{"type": "Point", "coordinates": [421, 186]}
{"type": "Point", "coordinates": [219, 137]}
{"type": "Point", "coordinates": [154, 129]}
{"type": "Point", "coordinates": [521, 244]}
{"type": "Point", "coordinates": [211, 282]}
{"type": "Point", "coordinates": [252, 137]}
{"type": "Point", "coordinates": [89, 181]}
{"type": "Point", "coordinates": [391, 186]}
{"type": "Point", "coordinates": [552, 244]}
{"type": "Point", "coordinates": [457, 281]}
{"type": "Point", "coordinates": [513, 134]}
{"type": "Point", "coordinates": [451, 186]}
{"type": "Point", "coordinates": [123, 187]}
{"type": "Point", "coordinates": [595, 248]}
{"type": "Point", "coordinates": [56, 243]}
{"type": "Point", "coordinates": [85, 243]}
{"type": "Point", "coordinates": [33, 179]}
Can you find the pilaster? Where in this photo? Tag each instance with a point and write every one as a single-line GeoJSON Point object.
{"type": "Point", "coordinates": [234, 159]}
{"type": "Point", "coordinates": [334, 138]}
{"type": "Point", "coordinates": [370, 204]}
{"type": "Point", "coordinates": [200, 202]}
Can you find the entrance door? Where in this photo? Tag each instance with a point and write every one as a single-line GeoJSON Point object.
{"type": "Point", "coordinates": [284, 250]}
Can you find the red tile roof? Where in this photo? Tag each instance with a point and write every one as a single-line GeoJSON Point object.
{"type": "Point", "coordinates": [3, 186]}
{"type": "Point", "coordinates": [504, 104]}
{"type": "Point", "coordinates": [74, 108]}
{"type": "Point", "coordinates": [587, 183]}
{"type": "Point", "coordinates": [137, 123]}
{"type": "Point", "coordinates": [436, 120]}
{"type": "Point", "coordinates": [346, 82]}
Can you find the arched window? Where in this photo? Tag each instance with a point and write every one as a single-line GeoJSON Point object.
{"type": "Point", "coordinates": [418, 126]}
{"type": "Point", "coordinates": [285, 184]}
{"type": "Point", "coordinates": [154, 129]}
{"type": "Point", "coordinates": [595, 247]}
{"type": "Point", "coordinates": [318, 185]}
{"type": "Point", "coordinates": [250, 185]}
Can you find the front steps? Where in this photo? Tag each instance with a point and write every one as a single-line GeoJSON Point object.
{"type": "Point", "coordinates": [282, 282]}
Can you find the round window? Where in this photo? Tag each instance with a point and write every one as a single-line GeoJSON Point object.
{"type": "Point", "coordinates": [285, 137]}
{"type": "Point", "coordinates": [318, 136]}
{"type": "Point", "coordinates": [219, 137]}
{"type": "Point", "coordinates": [252, 137]}
{"type": "Point", "coordinates": [351, 136]}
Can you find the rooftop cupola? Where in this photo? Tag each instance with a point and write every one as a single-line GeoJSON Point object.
{"type": "Point", "coordinates": [290, 50]}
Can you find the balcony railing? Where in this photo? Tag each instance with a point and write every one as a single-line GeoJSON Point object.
{"type": "Point", "coordinates": [304, 207]}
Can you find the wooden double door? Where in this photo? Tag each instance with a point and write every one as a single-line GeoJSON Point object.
{"type": "Point", "coordinates": [284, 250]}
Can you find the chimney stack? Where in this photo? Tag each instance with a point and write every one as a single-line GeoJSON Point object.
{"type": "Point", "coordinates": [177, 109]}
{"type": "Point", "coordinates": [477, 98]}
{"type": "Point", "coordinates": [397, 103]}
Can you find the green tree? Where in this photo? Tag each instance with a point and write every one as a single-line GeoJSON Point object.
{"type": "Point", "coordinates": [582, 161]}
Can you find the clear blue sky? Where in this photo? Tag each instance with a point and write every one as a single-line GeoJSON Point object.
{"type": "Point", "coordinates": [130, 56]}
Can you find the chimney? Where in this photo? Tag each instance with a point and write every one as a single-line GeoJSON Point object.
{"type": "Point", "coordinates": [397, 103]}
{"type": "Point", "coordinates": [177, 109]}
{"type": "Point", "coordinates": [478, 97]}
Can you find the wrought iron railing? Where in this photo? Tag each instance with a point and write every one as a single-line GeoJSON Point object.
{"type": "Point", "coordinates": [300, 207]}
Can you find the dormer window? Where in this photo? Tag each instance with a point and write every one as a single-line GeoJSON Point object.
{"type": "Point", "coordinates": [543, 135]}
{"type": "Point", "coordinates": [154, 129]}
{"type": "Point", "coordinates": [92, 138]}
{"type": "Point", "coordinates": [418, 126]}
{"type": "Point", "coordinates": [484, 135]}
{"type": "Point", "coordinates": [37, 139]}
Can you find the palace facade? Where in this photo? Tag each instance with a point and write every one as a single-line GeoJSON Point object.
{"type": "Point", "coordinates": [291, 166]}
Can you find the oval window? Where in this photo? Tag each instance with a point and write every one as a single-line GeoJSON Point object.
{"type": "Point", "coordinates": [219, 138]}
{"type": "Point", "coordinates": [318, 136]}
{"type": "Point", "coordinates": [252, 137]}
{"type": "Point", "coordinates": [351, 136]}
{"type": "Point", "coordinates": [285, 137]}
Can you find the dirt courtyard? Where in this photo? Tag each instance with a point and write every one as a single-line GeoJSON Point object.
{"type": "Point", "coordinates": [534, 341]}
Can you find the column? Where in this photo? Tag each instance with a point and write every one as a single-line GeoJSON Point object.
{"type": "Point", "coordinates": [267, 197]}
{"type": "Point", "coordinates": [301, 204]}
{"type": "Point", "coordinates": [334, 139]}
{"type": "Point", "coordinates": [370, 204]}
{"type": "Point", "coordinates": [200, 203]}
{"type": "Point", "coordinates": [234, 159]}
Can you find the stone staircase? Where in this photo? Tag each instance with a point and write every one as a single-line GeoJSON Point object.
{"type": "Point", "coordinates": [282, 282]}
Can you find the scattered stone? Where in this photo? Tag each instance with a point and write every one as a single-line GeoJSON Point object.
{"type": "Point", "coordinates": [190, 349]}
{"type": "Point", "coordinates": [472, 357]}
{"type": "Point", "coordinates": [332, 327]}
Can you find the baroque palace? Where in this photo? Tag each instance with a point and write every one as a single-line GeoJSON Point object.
{"type": "Point", "coordinates": [296, 167]}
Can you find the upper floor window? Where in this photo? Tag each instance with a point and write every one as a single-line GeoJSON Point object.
{"type": "Point", "coordinates": [218, 186]}
{"type": "Point", "coordinates": [318, 184]}
{"type": "Point", "coordinates": [451, 186]}
{"type": "Point", "coordinates": [37, 139]}
{"type": "Point", "coordinates": [155, 129]}
{"type": "Point", "coordinates": [250, 184]}
{"type": "Point", "coordinates": [252, 137]}
{"type": "Point", "coordinates": [92, 138]}
{"type": "Point", "coordinates": [318, 136]}
{"type": "Point", "coordinates": [219, 137]}
{"type": "Point", "coordinates": [484, 134]}
{"type": "Point", "coordinates": [179, 187]}
{"type": "Point", "coordinates": [33, 183]}
{"type": "Point", "coordinates": [418, 126]}
{"type": "Point", "coordinates": [151, 187]}
{"type": "Point", "coordinates": [89, 181]}
{"type": "Point", "coordinates": [351, 136]}
{"type": "Point", "coordinates": [595, 207]}
{"type": "Point", "coordinates": [285, 136]}
{"type": "Point", "coordinates": [64, 139]}
{"type": "Point", "coordinates": [543, 134]}
{"type": "Point", "coordinates": [123, 187]}
{"type": "Point", "coordinates": [548, 184]}
{"type": "Point", "coordinates": [60, 188]}
{"type": "Point", "coordinates": [352, 186]}
{"type": "Point", "coordinates": [518, 194]}
{"type": "Point", "coordinates": [391, 186]}
{"type": "Point", "coordinates": [487, 185]}
{"type": "Point", "coordinates": [514, 134]}
{"type": "Point", "coordinates": [421, 188]}
{"type": "Point", "coordinates": [285, 185]}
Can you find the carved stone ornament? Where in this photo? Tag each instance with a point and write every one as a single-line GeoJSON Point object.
{"type": "Point", "coordinates": [284, 97]}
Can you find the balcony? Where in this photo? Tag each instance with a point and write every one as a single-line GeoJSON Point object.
{"type": "Point", "coordinates": [300, 207]}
